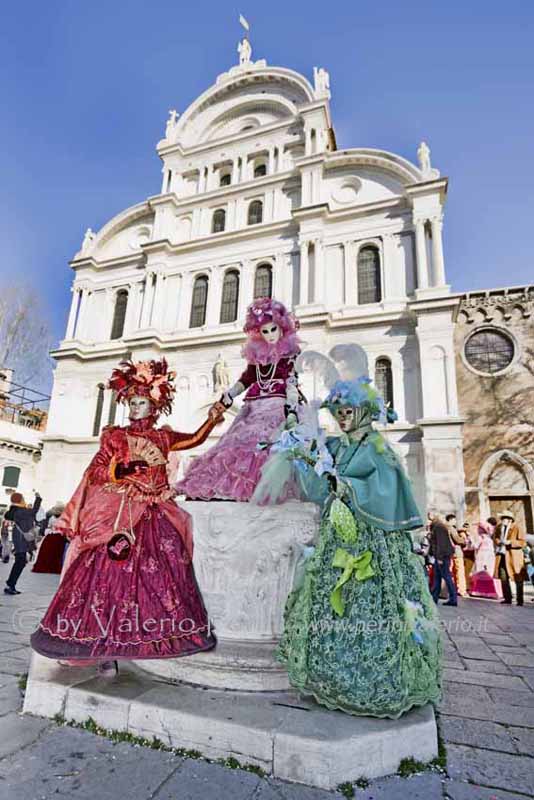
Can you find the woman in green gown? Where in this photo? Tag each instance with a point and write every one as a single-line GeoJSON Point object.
{"type": "Point", "coordinates": [361, 630]}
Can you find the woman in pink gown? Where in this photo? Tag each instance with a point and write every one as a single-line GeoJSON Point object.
{"type": "Point", "coordinates": [481, 582]}
{"type": "Point", "coordinates": [232, 468]}
{"type": "Point", "coordinates": [128, 589]}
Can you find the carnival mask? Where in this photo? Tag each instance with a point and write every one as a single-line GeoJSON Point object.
{"type": "Point", "coordinates": [140, 407]}
{"type": "Point", "coordinates": [346, 418]}
{"type": "Point", "coordinates": [271, 332]}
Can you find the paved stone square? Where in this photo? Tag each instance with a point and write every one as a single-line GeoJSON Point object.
{"type": "Point", "coordinates": [486, 719]}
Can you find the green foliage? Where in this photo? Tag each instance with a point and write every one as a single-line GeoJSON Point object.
{"type": "Point", "coordinates": [409, 766]}
{"type": "Point", "coordinates": [346, 789]}
{"type": "Point", "coordinates": [154, 744]}
{"type": "Point", "coordinates": [22, 682]}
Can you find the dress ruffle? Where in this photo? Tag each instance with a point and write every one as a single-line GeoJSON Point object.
{"type": "Point", "coordinates": [232, 468]}
{"type": "Point", "coordinates": [146, 607]}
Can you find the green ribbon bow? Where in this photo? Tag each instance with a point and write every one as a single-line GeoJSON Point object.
{"type": "Point", "coordinates": [359, 566]}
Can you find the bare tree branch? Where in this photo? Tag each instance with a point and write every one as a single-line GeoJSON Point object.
{"type": "Point", "coordinates": [25, 337]}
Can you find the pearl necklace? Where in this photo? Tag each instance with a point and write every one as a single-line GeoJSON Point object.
{"type": "Point", "coordinates": [265, 381]}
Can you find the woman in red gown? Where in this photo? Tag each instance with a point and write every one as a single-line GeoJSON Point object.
{"type": "Point", "coordinates": [128, 589]}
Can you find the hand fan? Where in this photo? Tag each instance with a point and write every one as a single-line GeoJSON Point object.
{"type": "Point", "coordinates": [143, 450]}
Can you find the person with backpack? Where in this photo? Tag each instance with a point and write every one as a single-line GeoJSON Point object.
{"type": "Point", "coordinates": [22, 518]}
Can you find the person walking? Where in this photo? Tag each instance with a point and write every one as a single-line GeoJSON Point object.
{"type": "Point", "coordinates": [459, 540]}
{"type": "Point", "coordinates": [442, 548]}
{"type": "Point", "coordinates": [510, 565]}
{"type": "Point", "coordinates": [22, 518]}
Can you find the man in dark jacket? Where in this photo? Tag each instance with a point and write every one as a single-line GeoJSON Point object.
{"type": "Point", "coordinates": [22, 519]}
{"type": "Point", "coordinates": [442, 548]}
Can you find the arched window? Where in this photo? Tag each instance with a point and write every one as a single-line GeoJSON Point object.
{"type": "Point", "coordinates": [384, 380]}
{"type": "Point", "coordinates": [112, 408]}
{"type": "Point", "coordinates": [98, 410]}
{"type": "Point", "coordinates": [263, 281]}
{"type": "Point", "coordinates": [369, 288]}
{"type": "Point", "coordinates": [11, 477]}
{"type": "Point", "coordinates": [225, 179]}
{"type": "Point", "coordinates": [219, 221]}
{"type": "Point", "coordinates": [260, 170]}
{"type": "Point", "coordinates": [199, 302]}
{"type": "Point", "coordinates": [230, 296]}
{"type": "Point", "coordinates": [119, 314]}
{"type": "Point", "coordinates": [255, 212]}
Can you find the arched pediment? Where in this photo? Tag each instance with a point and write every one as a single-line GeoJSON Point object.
{"type": "Point", "coordinates": [506, 471]}
{"type": "Point", "coordinates": [280, 90]}
{"type": "Point", "coordinates": [249, 115]}
{"type": "Point", "coordinates": [123, 234]}
{"type": "Point", "coordinates": [389, 165]}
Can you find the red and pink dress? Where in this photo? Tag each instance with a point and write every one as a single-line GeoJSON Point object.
{"type": "Point", "coordinates": [147, 605]}
{"type": "Point", "coordinates": [232, 468]}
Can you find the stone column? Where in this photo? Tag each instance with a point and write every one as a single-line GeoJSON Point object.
{"type": "Point", "coordinates": [130, 323]}
{"type": "Point", "coordinates": [399, 399]}
{"type": "Point", "coordinates": [235, 170]}
{"type": "Point", "coordinates": [147, 300]}
{"type": "Point", "coordinates": [160, 300]}
{"type": "Point", "coordinates": [213, 310]}
{"type": "Point", "coordinates": [270, 166]}
{"type": "Point", "coordinates": [246, 287]}
{"type": "Point", "coordinates": [389, 266]}
{"type": "Point", "coordinates": [420, 248]}
{"type": "Point", "coordinates": [69, 333]}
{"type": "Point", "coordinates": [304, 272]}
{"type": "Point", "coordinates": [320, 273]}
{"type": "Point", "coordinates": [279, 282]}
{"type": "Point", "coordinates": [184, 303]}
{"type": "Point", "coordinates": [348, 272]}
{"type": "Point", "coordinates": [84, 312]}
{"type": "Point", "coordinates": [437, 252]}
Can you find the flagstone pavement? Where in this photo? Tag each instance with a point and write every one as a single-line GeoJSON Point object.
{"type": "Point", "coordinates": [486, 722]}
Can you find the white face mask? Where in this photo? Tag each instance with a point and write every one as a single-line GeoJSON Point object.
{"type": "Point", "coordinates": [346, 418]}
{"type": "Point", "coordinates": [140, 407]}
{"type": "Point", "coordinates": [271, 332]}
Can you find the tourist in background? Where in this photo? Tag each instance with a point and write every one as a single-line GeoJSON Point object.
{"type": "Point", "coordinates": [4, 537]}
{"type": "Point", "coordinates": [22, 518]}
{"type": "Point", "coordinates": [442, 548]}
{"type": "Point", "coordinates": [459, 540]}
{"type": "Point", "coordinates": [509, 544]}
{"type": "Point", "coordinates": [469, 550]}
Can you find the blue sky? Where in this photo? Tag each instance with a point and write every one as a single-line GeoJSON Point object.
{"type": "Point", "coordinates": [86, 87]}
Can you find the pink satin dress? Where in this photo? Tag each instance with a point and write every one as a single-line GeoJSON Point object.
{"type": "Point", "coordinates": [147, 605]}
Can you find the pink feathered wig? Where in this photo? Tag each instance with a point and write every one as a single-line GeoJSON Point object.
{"type": "Point", "coordinates": [261, 312]}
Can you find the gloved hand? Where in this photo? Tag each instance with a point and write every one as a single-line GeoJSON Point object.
{"type": "Point", "coordinates": [123, 470]}
{"type": "Point", "coordinates": [226, 399]}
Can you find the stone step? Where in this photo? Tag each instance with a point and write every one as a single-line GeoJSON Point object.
{"type": "Point", "coordinates": [288, 737]}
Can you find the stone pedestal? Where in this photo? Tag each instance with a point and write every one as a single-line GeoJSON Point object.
{"type": "Point", "coordinates": [245, 560]}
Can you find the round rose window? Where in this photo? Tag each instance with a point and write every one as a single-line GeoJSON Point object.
{"type": "Point", "coordinates": [489, 351]}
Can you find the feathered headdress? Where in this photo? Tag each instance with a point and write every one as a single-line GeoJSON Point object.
{"type": "Point", "coordinates": [151, 379]}
{"type": "Point", "coordinates": [359, 394]}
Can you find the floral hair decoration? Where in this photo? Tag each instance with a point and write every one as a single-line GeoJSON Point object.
{"type": "Point", "coordinates": [262, 311]}
{"type": "Point", "coordinates": [359, 394]}
{"type": "Point", "coordinates": [151, 379]}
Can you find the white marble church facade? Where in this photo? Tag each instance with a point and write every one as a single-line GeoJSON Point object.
{"type": "Point", "coordinates": [256, 197]}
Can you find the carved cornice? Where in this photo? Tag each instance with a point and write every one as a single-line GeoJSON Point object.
{"type": "Point", "coordinates": [497, 302]}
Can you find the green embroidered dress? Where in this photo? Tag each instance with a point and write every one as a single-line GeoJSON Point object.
{"type": "Point", "coordinates": [361, 630]}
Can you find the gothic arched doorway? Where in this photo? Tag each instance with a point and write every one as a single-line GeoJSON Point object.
{"type": "Point", "coordinates": [507, 483]}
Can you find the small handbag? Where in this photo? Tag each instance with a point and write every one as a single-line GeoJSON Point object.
{"type": "Point", "coordinates": [120, 546]}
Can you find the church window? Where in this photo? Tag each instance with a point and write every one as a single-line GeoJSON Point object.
{"type": "Point", "coordinates": [369, 288]}
{"type": "Point", "coordinates": [489, 351]}
{"type": "Point", "coordinates": [219, 221]}
{"type": "Point", "coordinates": [97, 422]}
{"type": "Point", "coordinates": [11, 477]}
{"type": "Point", "coordinates": [255, 212]}
{"type": "Point", "coordinates": [119, 314]}
{"type": "Point", "coordinates": [230, 296]}
{"type": "Point", "coordinates": [226, 179]}
{"type": "Point", "coordinates": [260, 170]}
{"type": "Point", "coordinates": [263, 281]}
{"type": "Point", "coordinates": [199, 302]}
{"type": "Point", "coordinates": [384, 380]}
